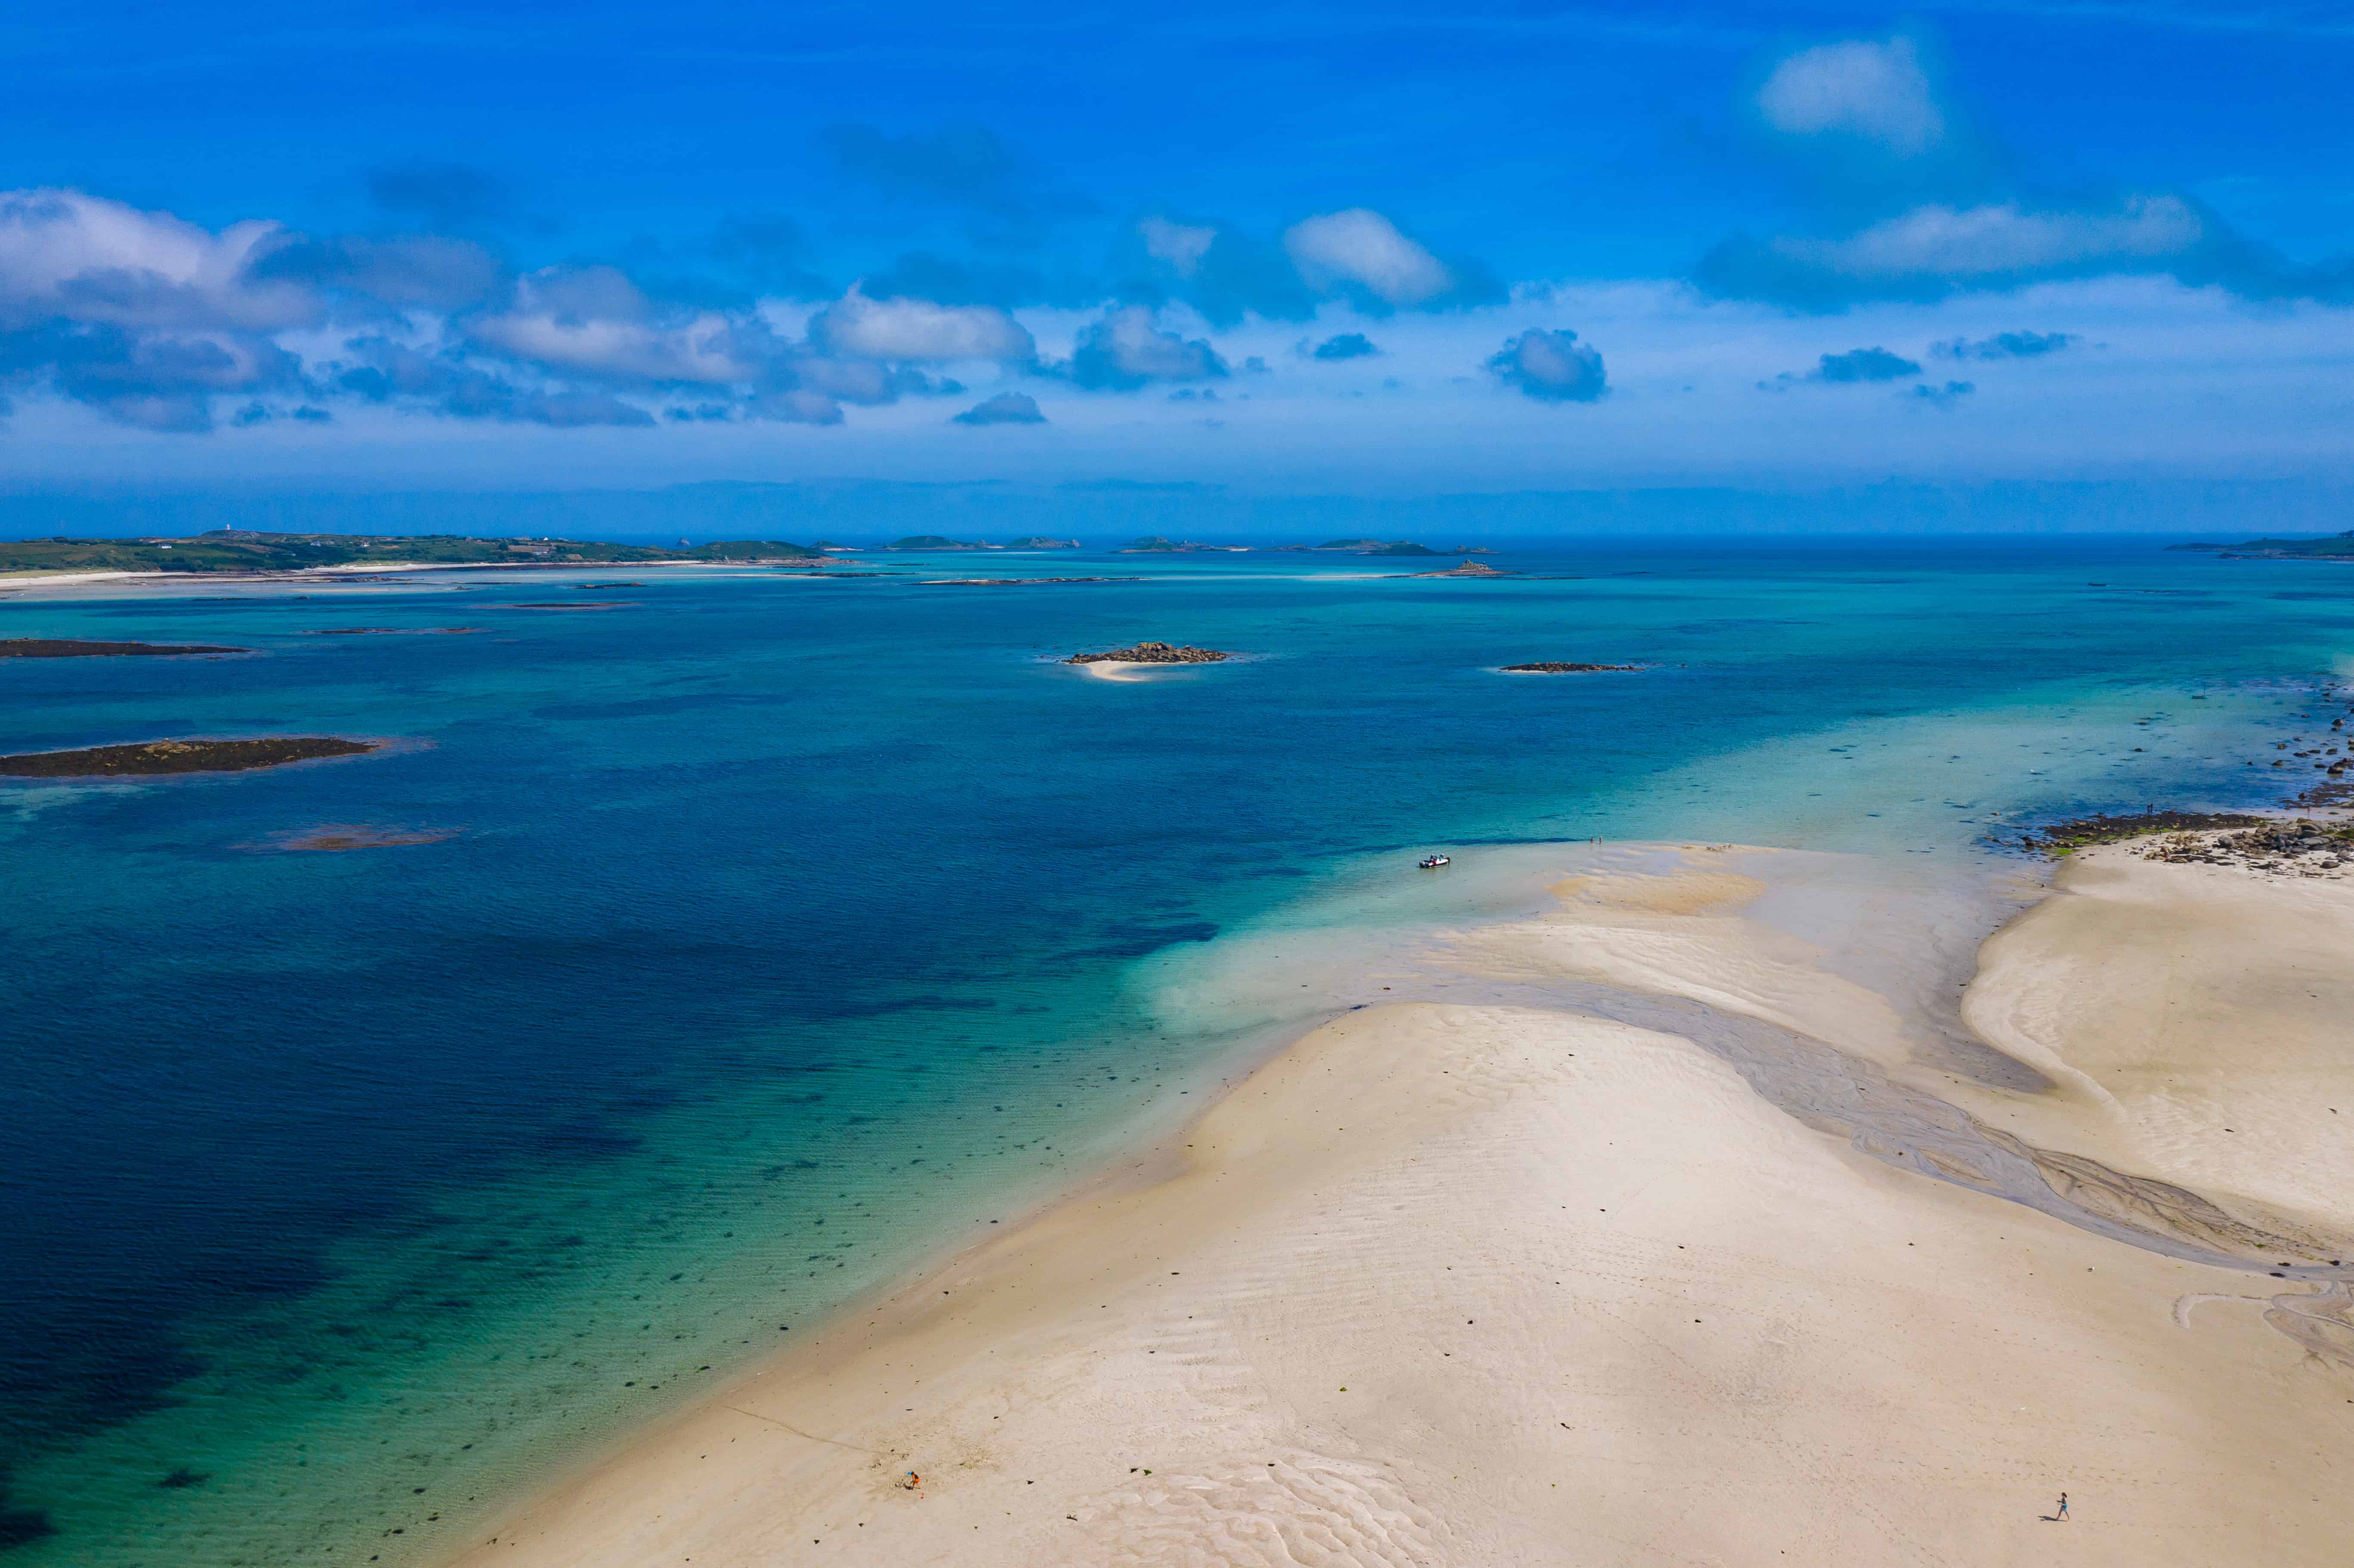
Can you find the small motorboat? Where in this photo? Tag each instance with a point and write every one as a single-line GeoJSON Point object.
{"type": "Point", "coordinates": [1433, 862]}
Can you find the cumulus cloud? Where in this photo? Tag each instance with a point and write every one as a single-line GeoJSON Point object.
{"type": "Point", "coordinates": [137, 315]}
{"type": "Point", "coordinates": [1005, 408]}
{"type": "Point", "coordinates": [593, 321]}
{"type": "Point", "coordinates": [2002, 240]}
{"type": "Point", "coordinates": [2007, 345]}
{"type": "Point", "coordinates": [1126, 350]}
{"type": "Point", "coordinates": [384, 371]}
{"type": "Point", "coordinates": [82, 258]}
{"type": "Point", "coordinates": [1877, 92]}
{"type": "Point", "coordinates": [1358, 250]}
{"type": "Point", "coordinates": [1342, 345]}
{"type": "Point", "coordinates": [1935, 250]}
{"type": "Point", "coordinates": [915, 329]}
{"type": "Point", "coordinates": [1551, 367]}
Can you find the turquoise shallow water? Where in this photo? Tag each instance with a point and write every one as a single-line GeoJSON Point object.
{"type": "Point", "coordinates": [788, 931]}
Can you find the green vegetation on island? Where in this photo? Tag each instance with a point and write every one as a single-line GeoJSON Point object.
{"type": "Point", "coordinates": [1154, 545]}
{"type": "Point", "coordinates": [1376, 546]}
{"type": "Point", "coordinates": [178, 757]}
{"type": "Point", "coordinates": [240, 550]}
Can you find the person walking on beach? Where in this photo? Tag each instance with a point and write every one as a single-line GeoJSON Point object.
{"type": "Point", "coordinates": [2063, 1515]}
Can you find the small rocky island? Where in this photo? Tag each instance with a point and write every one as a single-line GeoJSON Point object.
{"type": "Point", "coordinates": [1151, 653]}
{"type": "Point", "coordinates": [1561, 667]}
{"type": "Point", "coordinates": [1469, 569]}
{"type": "Point", "coordinates": [75, 648]}
{"type": "Point", "coordinates": [179, 756]}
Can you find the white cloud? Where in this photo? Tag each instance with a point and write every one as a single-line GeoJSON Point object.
{"type": "Point", "coordinates": [2002, 240]}
{"type": "Point", "coordinates": [1362, 248]}
{"type": "Point", "coordinates": [857, 326]}
{"type": "Point", "coordinates": [1552, 367]}
{"type": "Point", "coordinates": [1874, 91]}
{"type": "Point", "coordinates": [1126, 349]}
{"type": "Point", "coordinates": [1180, 246]}
{"type": "Point", "coordinates": [594, 321]}
{"type": "Point", "coordinates": [63, 253]}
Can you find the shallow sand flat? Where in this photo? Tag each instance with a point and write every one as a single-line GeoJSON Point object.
{"type": "Point", "coordinates": [1482, 1286]}
{"type": "Point", "coordinates": [2197, 1023]}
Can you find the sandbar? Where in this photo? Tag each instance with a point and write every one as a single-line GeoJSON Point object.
{"type": "Point", "coordinates": [1483, 1284]}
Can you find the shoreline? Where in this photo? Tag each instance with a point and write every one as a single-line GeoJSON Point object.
{"type": "Point", "coordinates": [1034, 1363]}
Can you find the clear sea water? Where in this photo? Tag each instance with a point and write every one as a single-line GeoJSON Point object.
{"type": "Point", "coordinates": [788, 932]}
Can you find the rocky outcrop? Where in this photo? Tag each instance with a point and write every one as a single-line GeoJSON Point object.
{"type": "Point", "coordinates": [1561, 667]}
{"type": "Point", "coordinates": [1151, 653]}
{"type": "Point", "coordinates": [1469, 569]}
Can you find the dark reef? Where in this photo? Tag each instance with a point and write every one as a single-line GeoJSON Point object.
{"type": "Point", "coordinates": [75, 648]}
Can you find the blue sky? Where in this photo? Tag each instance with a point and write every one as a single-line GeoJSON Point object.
{"type": "Point", "coordinates": [1377, 248]}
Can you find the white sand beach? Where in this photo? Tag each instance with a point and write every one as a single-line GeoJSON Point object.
{"type": "Point", "coordinates": [1468, 1284]}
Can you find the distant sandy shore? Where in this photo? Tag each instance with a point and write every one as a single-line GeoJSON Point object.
{"type": "Point", "coordinates": [1515, 1285]}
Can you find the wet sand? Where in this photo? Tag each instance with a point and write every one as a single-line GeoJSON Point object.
{"type": "Point", "coordinates": [1730, 1275]}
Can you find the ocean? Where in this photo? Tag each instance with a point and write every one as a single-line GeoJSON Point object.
{"type": "Point", "coordinates": [758, 937]}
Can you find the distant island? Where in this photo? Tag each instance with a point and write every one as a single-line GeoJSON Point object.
{"type": "Point", "coordinates": [942, 542]}
{"type": "Point", "coordinates": [1151, 653]}
{"type": "Point", "coordinates": [1375, 547]}
{"type": "Point", "coordinates": [1560, 667]}
{"type": "Point", "coordinates": [1469, 569]}
{"type": "Point", "coordinates": [1154, 545]}
{"type": "Point", "coordinates": [2335, 547]}
{"type": "Point", "coordinates": [244, 550]}
{"type": "Point", "coordinates": [1015, 582]}
{"type": "Point", "coordinates": [178, 757]}
{"type": "Point", "coordinates": [75, 648]}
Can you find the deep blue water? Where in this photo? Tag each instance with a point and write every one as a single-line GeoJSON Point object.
{"type": "Point", "coordinates": [787, 929]}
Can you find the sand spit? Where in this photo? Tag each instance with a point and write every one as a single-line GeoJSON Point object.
{"type": "Point", "coordinates": [1485, 1284]}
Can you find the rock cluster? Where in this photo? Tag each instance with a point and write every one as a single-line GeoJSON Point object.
{"type": "Point", "coordinates": [1558, 667]}
{"type": "Point", "coordinates": [2301, 848]}
{"type": "Point", "coordinates": [1151, 653]}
